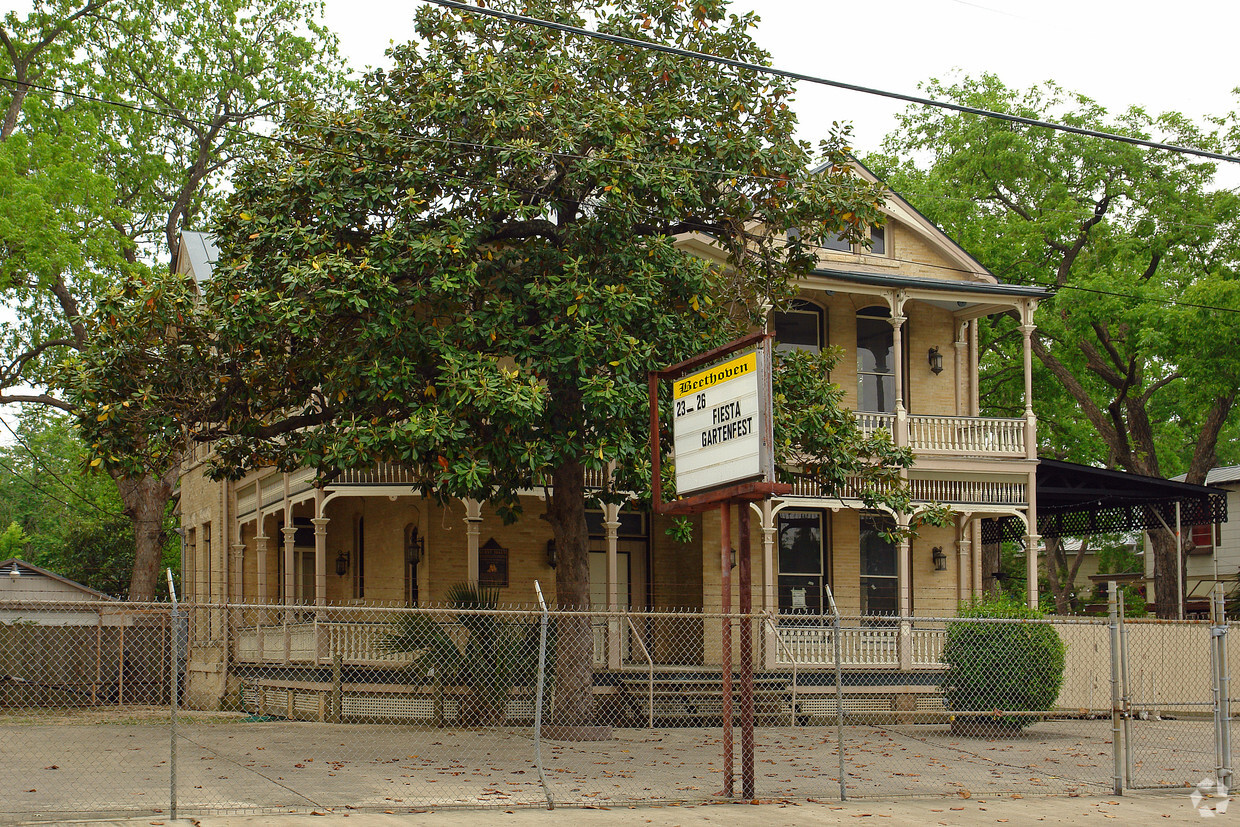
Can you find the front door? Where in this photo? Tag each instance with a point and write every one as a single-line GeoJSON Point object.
{"type": "Point", "coordinates": [802, 563]}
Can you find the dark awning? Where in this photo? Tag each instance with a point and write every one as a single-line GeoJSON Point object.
{"type": "Point", "coordinates": [1079, 500]}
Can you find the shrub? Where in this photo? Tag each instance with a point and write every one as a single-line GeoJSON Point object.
{"type": "Point", "coordinates": [992, 666]}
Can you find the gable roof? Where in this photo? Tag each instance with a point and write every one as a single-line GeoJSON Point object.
{"type": "Point", "coordinates": [1217, 476]}
{"type": "Point", "coordinates": [22, 567]}
{"type": "Point", "coordinates": [196, 255]}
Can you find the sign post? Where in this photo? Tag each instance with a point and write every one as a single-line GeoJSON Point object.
{"type": "Point", "coordinates": [724, 454]}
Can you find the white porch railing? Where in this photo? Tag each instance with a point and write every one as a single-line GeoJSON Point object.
{"type": "Point", "coordinates": [859, 647]}
{"type": "Point", "coordinates": [315, 642]}
{"type": "Point", "coordinates": [967, 435]}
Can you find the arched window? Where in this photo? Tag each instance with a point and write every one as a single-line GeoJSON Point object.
{"type": "Point", "coordinates": [876, 364]}
{"type": "Point", "coordinates": [801, 327]}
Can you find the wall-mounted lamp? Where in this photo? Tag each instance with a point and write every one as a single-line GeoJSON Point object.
{"type": "Point", "coordinates": [940, 559]}
{"type": "Point", "coordinates": [415, 547]}
{"type": "Point", "coordinates": [551, 552]}
{"type": "Point", "coordinates": [342, 564]}
{"type": "Point", "coordinates": [733, 551]}
{"type": "Point", "coordinates": [936, 361]}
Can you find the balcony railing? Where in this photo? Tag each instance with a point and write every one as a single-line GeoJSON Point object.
{"type": "Point", "coordinates": [967, 435]}
{"type": "Point", "coordinates": [877, 647]}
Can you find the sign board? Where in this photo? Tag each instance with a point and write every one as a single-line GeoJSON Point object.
{"type": "Point", "coordinates": [718, 423]}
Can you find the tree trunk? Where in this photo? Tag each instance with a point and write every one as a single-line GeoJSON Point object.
{"type": "Point", "coordinates": [1166, 597]}
{"type": "Point", "coordinates": [574, 640]}
{"type": "Point", "coordinates": [990, 567]}
{"type": "Point", "coordinates": [146, 500]}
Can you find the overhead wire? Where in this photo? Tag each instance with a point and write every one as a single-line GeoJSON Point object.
{"type": "Point", "coordinates": [651, 45]}
{"type": "Point", "coordinates": [295, 144]}
{"type": "Point", "coordinates": [39, 459]}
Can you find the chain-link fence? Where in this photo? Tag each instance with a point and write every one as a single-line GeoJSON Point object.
{"type": "Point", "coordinates": [110, 708]}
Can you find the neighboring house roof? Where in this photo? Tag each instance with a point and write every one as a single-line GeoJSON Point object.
{"type": "Point", "coordinates": [25, 569]}
{"type": "Point", "coordinates": [197, 255]}
{"type": "Point", "coordinates": [1218, 476]}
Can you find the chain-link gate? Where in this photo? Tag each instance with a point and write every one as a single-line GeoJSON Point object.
{"type": "Point", "coordinates": [113, 708]}
{"type": "Point", "coordinates": [1173, 700]}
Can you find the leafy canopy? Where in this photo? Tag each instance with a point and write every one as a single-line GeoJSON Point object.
{"type": "Point", "coordinates": [471, 269]}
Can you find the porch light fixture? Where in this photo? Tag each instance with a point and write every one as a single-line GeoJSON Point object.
{"type": "Point", "coordinates": [940, 559]}
{"type": "Point", "coordinates": [415, 547]}
{"type": "Point", "coordinates": [342, 564]}
{"type": "Point", "coordinates": [551, 552]}
{"type": "Point", "coordinates": [936, 361]}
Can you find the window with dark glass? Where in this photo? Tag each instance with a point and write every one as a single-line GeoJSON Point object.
{"type": "Point", "coordinates": [876, 369]}
{"type": "Point", "coordinates": [878, 241]}
{"type": "Point", "coordinates": [837, 241]}
{"type": "Point", "coordinates": [880, 593]}
{"type": "Point", "coordinates": [800, 327]}
{"type": "Point", "coordinates": [802, 562]}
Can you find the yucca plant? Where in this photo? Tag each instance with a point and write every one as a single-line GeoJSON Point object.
{"type": "Point", "coordinates": [489, 658]}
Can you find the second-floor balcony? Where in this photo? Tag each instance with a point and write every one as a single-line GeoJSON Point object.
{"type": "Point", "coordinates": [974, 436]}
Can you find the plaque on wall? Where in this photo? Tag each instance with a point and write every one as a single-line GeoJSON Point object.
{"type": "Point", "coordinates": [493, 565]}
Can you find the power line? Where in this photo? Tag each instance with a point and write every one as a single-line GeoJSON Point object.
{"type": "Point", "coordinates": [821, 81]}
{"type": "Point", "coordinates": [324, 150]}
{"type": "Point", "coordinates": [44, 491]}
{"type": "Point", "coordinates": [55, 476]}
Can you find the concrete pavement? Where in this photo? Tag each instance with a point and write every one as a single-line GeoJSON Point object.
{"type": "Point", "coordinates": [1161, 807]}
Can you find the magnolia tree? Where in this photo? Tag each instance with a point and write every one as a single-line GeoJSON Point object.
{"type": "Point", "coordinates": [470, 268]}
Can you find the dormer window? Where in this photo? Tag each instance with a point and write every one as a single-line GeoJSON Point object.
{"type": "Point", "coordinates": [839, 243]}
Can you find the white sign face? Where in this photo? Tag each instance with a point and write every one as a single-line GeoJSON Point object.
{"type": "Point", "coordinates": [717, 426]}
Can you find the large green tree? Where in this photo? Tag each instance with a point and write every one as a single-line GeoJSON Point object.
{"type": "Point", "coordinates": [1135, 366]}
{"type": "Point", "coordinates": [120, 123]}
{"type": "Point", "coordinates": [472, 268]}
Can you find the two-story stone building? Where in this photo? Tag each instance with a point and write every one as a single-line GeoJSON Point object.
{"type": "Point", "coordinates": [904, 309]}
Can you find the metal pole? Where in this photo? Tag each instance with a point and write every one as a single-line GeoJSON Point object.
{"type": "Point", "coordinates": [1224, 689]}
{"type": "Point", "coordinates": [839, 691]}
{"type": "Point", "coordinates": [1179, 565]}
{"type": "Point", "coordinates": [175, 656]}
{"type": "Point", "coordinates": [1125, 690]}
{"type": "Point", "coordinates": [725, 655]}
{"type": "Point", "coordinates": [746, 635]}
{"type": "Point", "coordinates": [1116, 732]}
{"type": "Point", "coordinates": [1217, 675]}
{"type": "Point", "coordinates": [538, 695]}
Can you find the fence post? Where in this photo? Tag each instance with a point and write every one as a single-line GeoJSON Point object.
{"type": "Point", "coordinates": [1116, 733]}
{"type": "Point", "coordinates": [1125, 690]}
{"type": "Point", "coordinates": [839, 691]}
{"type": "Point", "coordinates": [174, 651]}
{"type": "Point", "coordinates": [538, 695]}
{"type": "Point", "coordinates": [1222, 681]}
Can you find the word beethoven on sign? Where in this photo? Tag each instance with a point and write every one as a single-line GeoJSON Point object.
{"type": "Point", "coordinates": [717, 425]}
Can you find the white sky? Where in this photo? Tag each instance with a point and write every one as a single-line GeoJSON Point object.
{"type": "Point", "coordinates": [1178, 57]}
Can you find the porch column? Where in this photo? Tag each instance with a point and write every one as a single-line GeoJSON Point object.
{"type": "Point", "coordinates": [964, 550]}
{"type": "Point", "coordinates": [766, 515]}
{"type": "Point", "coordinates": [897, 357]}
{"type": "Point", "coordinates": [905, 586]}
{"type": "Point", "coordinates": [238, 560]}
{"type": "Point", "coordinates": [320, 561]}
{"type": "Point", "coordinates": [260, 547]}
{"type": "Point", "coordinates": [611, 528]}
{"type": "Point", "coordinates": [1031, 422]}
{"type": "Point", "coordinates": [290, 533]}
{"type": "Point", "coordinates": [1031, 541]}
{"type": "Point", "coordinates": [962, 355]}
{"type": "Point", "coordinates": [473, 527]}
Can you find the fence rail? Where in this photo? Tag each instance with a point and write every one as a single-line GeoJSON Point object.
{"type": "Point", "coordinates": [305, 708]}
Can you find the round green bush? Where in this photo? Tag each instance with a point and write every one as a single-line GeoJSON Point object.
{"type": "Point", "coordinates": [1001, 667]}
